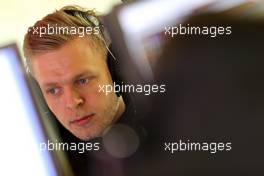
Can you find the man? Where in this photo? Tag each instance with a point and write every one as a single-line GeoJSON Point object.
{"type": "Point", "coordinates": [66, 53]}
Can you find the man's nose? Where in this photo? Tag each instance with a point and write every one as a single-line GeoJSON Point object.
{"type": "Point", "coordinates": [73, 99]}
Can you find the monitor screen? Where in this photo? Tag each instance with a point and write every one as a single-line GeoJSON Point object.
{"type": "Point", "coordinates": [21, 131]}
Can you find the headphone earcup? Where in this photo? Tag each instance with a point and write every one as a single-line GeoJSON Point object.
{"type": "Point", "coordinates": [114, 69]}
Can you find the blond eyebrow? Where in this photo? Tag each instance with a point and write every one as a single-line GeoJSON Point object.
{"type": "Point", "coordinates": [51, 84]}
{"type": "Point", "coordinates": [81, 75]}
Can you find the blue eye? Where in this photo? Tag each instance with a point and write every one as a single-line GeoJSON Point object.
{"type": "Point", "coordinates": [82, 81]}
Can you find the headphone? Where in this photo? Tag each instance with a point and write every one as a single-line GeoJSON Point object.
{"type": "Point", "coordinates": [112, 62]}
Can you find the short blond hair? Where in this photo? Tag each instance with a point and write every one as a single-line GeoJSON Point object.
{"type": "Point", "coordinates": [68, 16]}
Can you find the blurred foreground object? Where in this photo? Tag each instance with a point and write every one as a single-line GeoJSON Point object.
{"type": "Point", "coordinates": [22, 129]}
{"type": "Point", "coordinates": [215, 94]}
{"type": "Point", "coordinates": [214, 88]}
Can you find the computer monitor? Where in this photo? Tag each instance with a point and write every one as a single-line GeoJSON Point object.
{"type": "Point", "coordinates": [21, 132]}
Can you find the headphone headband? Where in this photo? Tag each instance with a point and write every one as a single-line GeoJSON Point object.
{"type": "Point", "coordinates": [95, 23]}
{"type": "Point", "coordinates": [90, 18]}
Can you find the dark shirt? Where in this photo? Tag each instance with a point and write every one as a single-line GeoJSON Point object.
{"type": "Point", "coordinates": [102, 162]}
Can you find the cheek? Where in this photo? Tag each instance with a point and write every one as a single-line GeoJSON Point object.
{"type": "Point", "coordinates": [99, 100]}
{"type": "Point", "coordinates": [105, 77]}
{"type": "Point", "coordinates": [55, 106]}
{"type": "Point", "coordinates": [96, 96]}
{"type": "Point", "coordinates": [94, 99]}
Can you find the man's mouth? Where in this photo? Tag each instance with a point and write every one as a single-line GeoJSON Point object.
{"type": "Point", "coordinates": [82, 120]}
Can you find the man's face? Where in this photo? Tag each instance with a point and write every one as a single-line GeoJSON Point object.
{"type": "Point", "coordinates": [69, 79]}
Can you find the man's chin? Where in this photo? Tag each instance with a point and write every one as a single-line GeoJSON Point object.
{"type": "Point", "coordinates": [87, 137]}
{"type": "Point", "coordinates": [90, 134]}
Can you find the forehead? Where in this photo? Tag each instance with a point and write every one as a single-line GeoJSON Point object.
{"type": "Point", "coordinates": [77, 46]}
{"type": "Point", "coordinates": [72, 58]}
